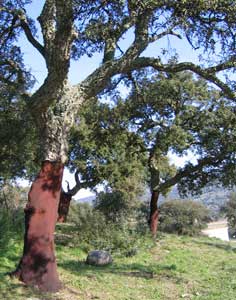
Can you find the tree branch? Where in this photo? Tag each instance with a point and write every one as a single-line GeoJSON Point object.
{"type": "Point", "coordinates": [97, 81]}
{"type": "Point", "coordinates": [189, 169]}
{"type": "Point", "coordinates": [78, 185]}
{"type": "Point", "coordinates": [207, 73]}
{"type": "Point", "coordinates": [20, 15]}
{"type": "Point", "coordinates": [156, 37]}
{"type": "Point", "coordinates": [141, 40]}
{"type": "Point", "coordinates": [47, 22]}
{"type": "Point", "coordinates": [30, 36]}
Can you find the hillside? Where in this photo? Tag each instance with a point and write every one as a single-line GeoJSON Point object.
{"type": "Point", "coordinates": [212, 197]}
{"type": "Point", "coordinates": [173, 268]}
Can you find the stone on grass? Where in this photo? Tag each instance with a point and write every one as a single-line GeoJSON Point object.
{"type": "Point", "coordinates": [99, 258]}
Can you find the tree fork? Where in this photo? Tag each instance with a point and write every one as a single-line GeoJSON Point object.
{"type": "Point", "coordinates": [38, 266]}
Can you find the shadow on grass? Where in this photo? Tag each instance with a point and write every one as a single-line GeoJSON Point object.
{"type": "Point", "coordinates": [217, 244]}
{"type": "Point", "coordinates": [13, 289]}
{"type": "Point", "coordinates": [137, 270]}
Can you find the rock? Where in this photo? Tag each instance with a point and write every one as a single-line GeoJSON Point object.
{"type": "Point", "coordinates": [99, 258]}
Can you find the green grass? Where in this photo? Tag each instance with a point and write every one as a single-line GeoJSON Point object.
{"type": "Point", "coordinates": [174, 268]}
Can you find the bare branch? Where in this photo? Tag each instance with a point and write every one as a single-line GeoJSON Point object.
{"type": "Point", "coordinates": [68, 186]}
{"type": "Point", "coordinates": [156, 37]}
{"type": "Point", "coordinates": [77, 186]}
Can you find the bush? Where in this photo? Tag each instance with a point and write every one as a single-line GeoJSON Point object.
{"type": "Point", "coordinates": [11, 227]}
{"type": "Point", "coordinates": [92, 230]}
{"type": "Point", "coordinates": [184, 217]}
{"type": "Point", "coordinates": [112, 205]}
{"type": "Point", "coordinates": [12, 200]}
{"type": "Point", "coordinates": [229, 210]}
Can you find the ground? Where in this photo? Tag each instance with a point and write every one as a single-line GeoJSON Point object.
{"type": "Point", "coordinates": [174, 267]}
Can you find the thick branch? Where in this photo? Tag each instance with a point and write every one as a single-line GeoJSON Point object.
{"type": "Point", "coordinates": [141, 40]}
{"type": "Point", "coordinates": [189, 169]}
{"type": "Point", "coordinates": [98, 80]}
{"type": "Point", "coordinates": [47, 22]}
{"type": "Point", "coordinates": [77, 186]}
{"type": "Point", "coordinates": [57, 53]}
{"type": "Point", "coordinates": [207, 73]}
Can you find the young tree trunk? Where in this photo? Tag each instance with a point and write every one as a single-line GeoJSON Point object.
{"type": "Point", "coordinates": [37, 266]}
{"type": "Point", "coordinates": [153, 218]}
{"type": "Point", "coordinates": [64, 205]}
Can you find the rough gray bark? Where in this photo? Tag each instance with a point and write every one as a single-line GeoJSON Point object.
{"type": "Point", "coordinates": [55, 123]}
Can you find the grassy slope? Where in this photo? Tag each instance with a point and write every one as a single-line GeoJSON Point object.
{"type": "Point", "coordinates": [175, 268]}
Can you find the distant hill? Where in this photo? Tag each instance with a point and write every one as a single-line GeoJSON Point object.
{"type": "Point", "coordinates": [87, 199]}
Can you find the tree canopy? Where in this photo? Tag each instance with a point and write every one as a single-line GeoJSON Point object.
{"type": "Point", "coordinates": [179, 113]}
{"type": "Point", "coordinates": [72, 29]}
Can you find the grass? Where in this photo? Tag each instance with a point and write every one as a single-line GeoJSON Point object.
{"type": "Point", "coordinates": [175, 267]}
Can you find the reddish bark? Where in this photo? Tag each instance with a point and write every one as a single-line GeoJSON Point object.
{"type": "Point", "coordinates": [38, 266]}
{"type": "Point", "coordinates": [153, 218]}
{"type": "Point", "coordinates": [63, 207]}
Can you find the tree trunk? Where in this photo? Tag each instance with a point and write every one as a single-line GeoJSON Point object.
{"type": "Point", "coordinates": [63, 207]}
{"type": "Point", "coordinates": [38, 266]}
{"type": "Point", "coordinates": [153, 218]}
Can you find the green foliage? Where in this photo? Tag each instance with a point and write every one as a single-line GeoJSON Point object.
{"type": "Point", "coordinates": [113, 205]}
{"type": "Point", "coordinates": [207, 24]}
{"type": "Point", "coordinates": [17, 133]}
{"type": "Point", "coordinates": [229, 210]}
{"type": "Point", "coordinates": [92, 230]}
{"type": "Point", "coordinates": [12, 201]}
{"type": "Point", "coordinates": [11, 227]}
{"type": "Point", "coordinates": [12, 196]}
{"type": "Point", "coordinates": [184, 217]}
{"type": "Point", "coordinates": [178, 113]}
{"type": "Point", "coordinates": [18, 156]}
{"type": "Point", "coordinates": [104, 150]}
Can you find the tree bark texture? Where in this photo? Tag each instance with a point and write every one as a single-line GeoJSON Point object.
{"type": "Point", "coordinates": [64, 205]}
{"type": "Point", "coordinates": [38, 266]}
{"type": "Point", "coordinates": [153, 218]}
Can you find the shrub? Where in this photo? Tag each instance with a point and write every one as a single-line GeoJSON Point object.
{"type": "Point", "coordinates": [92, 230]}
{"type": "Point", "coordinates": [114, 205]}
{"type": "Point", "coordinates": [12, 200]}
{"type": "Point", "coordinates": [11, 227]}
{"type": "Point", "coordinates": [229, 210]}
{"type": "Point", "coordinates": [183, 217]}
